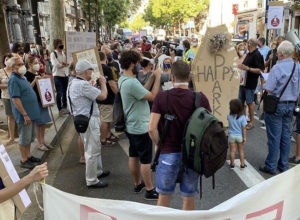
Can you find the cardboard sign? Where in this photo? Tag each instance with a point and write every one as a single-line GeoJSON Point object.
{"type": "Point", "coordinates": [78, 41]}
{"type": "Point", "coordinates": [46, 91]}
{"type": "Point", "coordinates": [92, 56]}
{"type": "Point", "coordinates": [10, 176]}
{"type": "Point", "coordinates": [215, 74]}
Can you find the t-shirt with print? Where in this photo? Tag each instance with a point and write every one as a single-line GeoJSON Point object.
{"type": "Point", "coordinates": [136, 109]}
{"type": "Point", "coordinates": [19, 87]}
{"type": "Point", "coordinates": [180, 102]}
{"type": "Point", "coordinates": [110, 94]}
{"type": "Point", "coordinates": [236, 125]}
{"type": "Point", "coordinates": [82, 94]}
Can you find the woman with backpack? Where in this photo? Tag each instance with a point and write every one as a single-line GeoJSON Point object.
{"type": "Point", "coordinates": [237, 131]}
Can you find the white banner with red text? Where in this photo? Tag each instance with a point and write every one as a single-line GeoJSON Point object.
{"type": "Point", "coordinates": [276, 198]}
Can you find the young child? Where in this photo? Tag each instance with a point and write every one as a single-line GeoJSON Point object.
{"type": "Point", "coordinates": [237, 131]}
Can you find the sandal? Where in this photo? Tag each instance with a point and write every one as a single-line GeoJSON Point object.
{"type": "Point", "coordinates": [82, 161]}
{"type": "Point", "coordinates": [43, 147]}
{"type": "Point", "coordinates": [10, 142]}
{"type": "Point", "coordinates": [113, 138]}
{"type": "Point", "coordinates": [231, 166]}
{"type": "Point", "coordinates": [249, 126]}
{"type": "Point", "coordinates": [243, 166]}
{"type": "Point", "coordinates": [107, 143]}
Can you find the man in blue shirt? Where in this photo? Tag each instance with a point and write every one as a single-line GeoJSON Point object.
{"type": "Point", "coordinates": [25, 110]}
{"type": "Point", "coordinates": [262, 48]}
{"type": "Point", "coordinates": [278, 124]}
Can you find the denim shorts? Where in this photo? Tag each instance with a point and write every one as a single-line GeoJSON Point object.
{"type": "Point", "coordinates": [26, 133]}
{"type": "Point", "coordinates": [167, 172]}
{"type": "Point", "coordinates": [235, 139]}
{"type": "Point", "coordinates": [246, 95]}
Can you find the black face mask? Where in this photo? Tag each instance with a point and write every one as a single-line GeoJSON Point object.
{"type": "Point", "coordinates": [135, 70]}
{"type": "Point", "coordinates": [61, 47]}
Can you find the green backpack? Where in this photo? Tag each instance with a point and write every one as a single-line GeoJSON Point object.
{"type": "Point", "coordinates": [205, 144]}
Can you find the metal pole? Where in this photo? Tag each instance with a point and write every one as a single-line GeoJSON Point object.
{"type": "Point", "coordinates": [55, 128]}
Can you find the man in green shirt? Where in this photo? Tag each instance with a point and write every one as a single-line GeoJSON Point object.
{"type": "Point", "coordinates": [137, 113]}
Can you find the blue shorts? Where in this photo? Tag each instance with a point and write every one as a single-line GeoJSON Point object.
{"type": "Point", "coordinates": [26, 133]}
{"type": "Point", "coordinates": [166, 176]}
{"type": "Point", "coordinates": [246, 95]}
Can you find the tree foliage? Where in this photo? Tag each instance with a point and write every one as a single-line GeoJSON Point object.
{"type": "Point", "coordinates": [138, 23]}
{"type": "Point", "coordinates": [172, 12]}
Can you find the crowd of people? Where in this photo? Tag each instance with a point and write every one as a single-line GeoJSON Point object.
{"type": "Point", "coordinates": [153, 79]}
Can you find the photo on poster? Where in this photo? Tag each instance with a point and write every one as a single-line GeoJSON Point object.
{"type": "Point", "coordinates": [46, 91]}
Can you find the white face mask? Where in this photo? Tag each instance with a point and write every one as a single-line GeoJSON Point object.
{"type": "Point", "coordinates": [241, 52]}
{"type": "Point", "coordinates": [22, 70]}
{"type": "Point", "coordinates": [36, 67]}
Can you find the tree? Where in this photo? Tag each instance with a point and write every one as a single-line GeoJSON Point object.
{"type": "Point", "coordinates": [57, 20]}
{"type": "Point", "coordinates": [4, 48]}
{"type": "Point", "coordinates": [138, 23]}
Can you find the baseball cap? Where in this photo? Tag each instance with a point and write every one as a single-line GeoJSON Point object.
{"type": "Point", "coordinates": [84, 65]}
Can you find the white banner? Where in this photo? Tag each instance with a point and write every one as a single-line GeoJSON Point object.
{"type": "Point", "coordinates": [276, 198]}
{"type": "Point", "coordinates": [275, 17]}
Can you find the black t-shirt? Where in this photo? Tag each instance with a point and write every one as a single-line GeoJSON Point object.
{"type": "Point", "coordinates": [115, 69]}
{"type": "Point", "coordinates": [30, 77]}
{"type": "Point", "coordinates": [110, 94]}
{"type": "Point", "coordinates": [274, 60]}
{"type": "Point", "coordinates": [253, 60]}
{"type": "Point", "coordinates": [180, 102]}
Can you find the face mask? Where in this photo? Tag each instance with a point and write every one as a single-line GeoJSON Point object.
{"type": "Point", "coordinates": [194, 44]}
{"type": "Point", "coordinates": [241, 52]}
{"type": "Point", "coordinates": [22, 70]}
{"type": "Point", "coordinates": [167, 66]}
{"type": "Point", "coordinates": [36, 67]}
{"type": "Point", "coordinates": [61, 47]}
{"type": "Point", "coordinates": [33, 50]}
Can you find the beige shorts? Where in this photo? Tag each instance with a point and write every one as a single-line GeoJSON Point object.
{"type": "Point", "coordinates": [106, 113]}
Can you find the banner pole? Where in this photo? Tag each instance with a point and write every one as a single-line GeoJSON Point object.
{"type": "Point", "coordinates": [55, 128]}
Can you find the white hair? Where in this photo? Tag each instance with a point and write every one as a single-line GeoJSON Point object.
{"type": "Point", "coordinates": [11, 61]}
{"type": "Point", "coordinates": [286, 48]}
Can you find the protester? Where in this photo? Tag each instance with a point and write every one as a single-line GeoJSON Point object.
{"type": "Point", "coordinates": [188, 55]}
{"type": "Point", "coordinates": [195, 46]}
{"type": "Point", "coordinates": [262, 48]}
{"type": "Point", "coordinates": [39, 173]}
{"type": "Point", "coordinates": [115, 68]}
{"type": "Point", "coordinates": [82, 97]}
{"type": "Point", "coordinates": [253, 64]}
{"type": "Point", "coordinates": [237, 131]}
{"type": "Point", "coordinates": [147, 68]}
{"type": "Point", "coordinates": [59, 62]}
{"type": "Point", "coordinates": [127, 44]}
{"type": "Point", "coordinates": [17, 50]}
{"type": "Point", "coordinates": [178, 101]}
{"type": "Point", "coordinates": [106, 106]}
{"type": "Point", "coordinates": [116, 51]}
{"type": "Point", "coordinates": [32, 76]}
{"type": "Point", "coordinates": [72, 75]}
{"type": "Point", "coordinates": [5, 74]}
{"type": "Point", "coordinates": [272, 56]}
{"type": "Point", "coordinates": [137, 114]}
{"type": "Point", "coordinates": [278, 124]}
{"type": "Point", "coordinates": [25, 109]}
{"type": "Point", "coordinates": [146, 46]}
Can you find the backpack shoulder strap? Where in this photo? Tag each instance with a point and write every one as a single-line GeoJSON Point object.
{"type": "Point", "coordinates": [198, 97]}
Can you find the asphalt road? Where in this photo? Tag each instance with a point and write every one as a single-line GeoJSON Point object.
{"type": "Point", "coordinates": [71, 175]}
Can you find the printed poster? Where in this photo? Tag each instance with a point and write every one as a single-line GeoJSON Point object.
{"type": "Point", "coordinates": [46, 91]}
{"type": "Point", "coordinates": [275, 17]}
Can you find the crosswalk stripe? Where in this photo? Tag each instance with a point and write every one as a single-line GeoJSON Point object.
{"type": "Point", "coordinates": [248, 175]}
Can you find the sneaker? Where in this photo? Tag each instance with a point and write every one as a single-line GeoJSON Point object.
{"type": "Point", "coordinates": [33, 159]}
{"type": "Point", "coordinates": [27, 164]}
{"type": "Point", "coordinates": [139, 188]}
{"type": "Point", "coordinates": [293, 160]}
{"type": "Point", "coordinates": [98, 185]}
{"type": "Point", "coordinates": [151, 195]}
{"type": "Point", "coordinates": [104, 174]}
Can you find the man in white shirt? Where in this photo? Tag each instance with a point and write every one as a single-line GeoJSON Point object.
{"type": "Point", "coordinates": [81, 98]}
{"type": "Point", "coordinates": [59, 63]}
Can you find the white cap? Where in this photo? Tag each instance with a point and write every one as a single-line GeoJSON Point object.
{"type": "Point", "coordinates": [84, 65]}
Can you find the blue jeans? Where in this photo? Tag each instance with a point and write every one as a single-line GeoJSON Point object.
{"type": "Point", "coordinates": [246, 95]}
{"type": "Point", "coordinates": [279, 132]}
{"type": "Point", "coordinates": [61, 85]}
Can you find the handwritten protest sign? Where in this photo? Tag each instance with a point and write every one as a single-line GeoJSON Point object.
{"type": "Point", "coordinates": [46, 91]}
{"type": "Point", "coordinates": [215, 73]}
{"type": "Point", "coordinates": [92, 56]}
{"type": "Point", "coordinates": [78, 41]}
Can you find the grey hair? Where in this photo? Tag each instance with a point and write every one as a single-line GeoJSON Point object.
{"type": "Point", "coordinates": [12, 61]}
{"type": "Point", "coordinates": [253, 42]}
{"type": "Point", "coordinates": [286, 48]}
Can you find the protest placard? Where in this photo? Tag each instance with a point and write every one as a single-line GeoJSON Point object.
{"type": "Point", "coordinates": [215, 71]}
{"type": "Point", "coordinates": [10, 176]}
{"type": "Point", "coordinates": [275, 15]}
{"type": "Point", "coordinates": [92, 56]}
{"type": "Point", "coordinates": [46, 91]}
{"type": "Point", "coordinates": [78, 41]}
